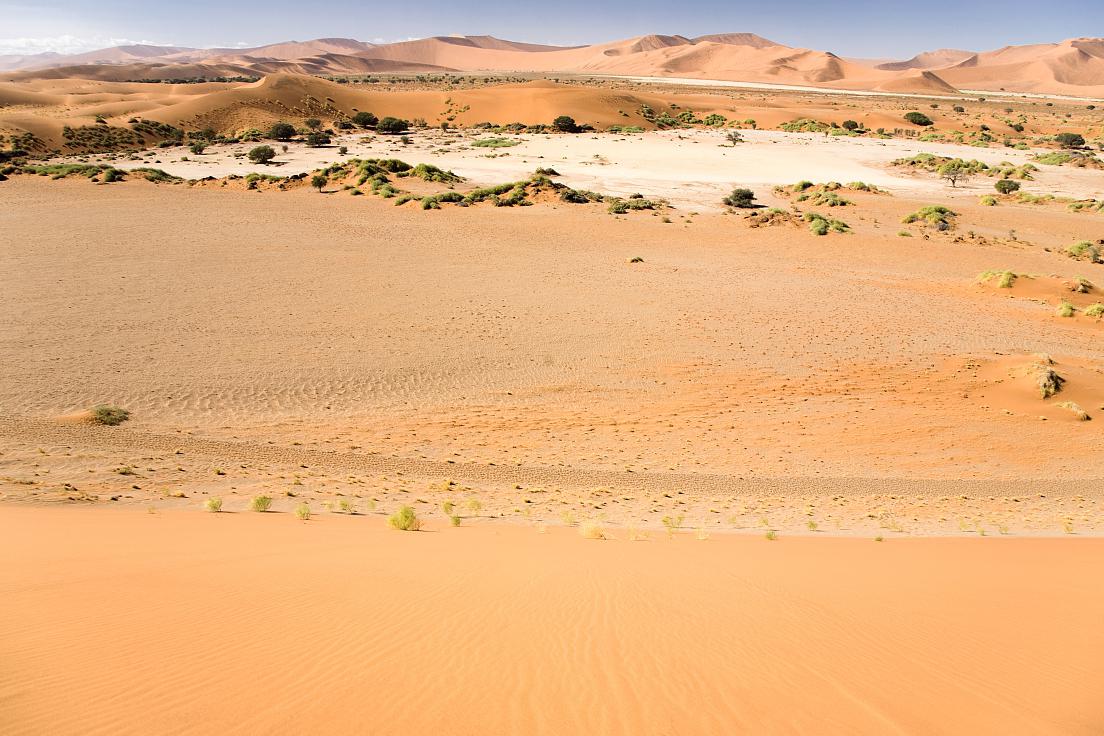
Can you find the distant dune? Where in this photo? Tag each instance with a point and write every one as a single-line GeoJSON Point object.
{"type": "Point", "coordinates": [1073, 67]}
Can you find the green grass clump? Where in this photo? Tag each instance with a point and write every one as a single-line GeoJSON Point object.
{"type": "Point", "coordinates": [495, 143]}
{"type": "Point", "coordinates": [618, 206]}
{"type": "Point", "coordinates": [302, 512]}
{"type": "Point", "coordinates": [429, 172]}
{"type": "Point", "coordinates": [1066, 309]}
{"type": "Point", "coordinates": [214, 505]}
{"type": "Point", "coordinates": [988, 200]}
{"type": "Point", "coordinates": [260, 504]}
{"type": "Point", "coordinates": [824, 199]}
{"type": "Point", "coordinates": [935, 215]}
{"type": "Point", "coordinates": [157, 176]}
{"type": "Point", "coordinates": [109, 416]}
{"type": "Point", "coordinates": [1094, 310]}
{"type": "Point", "coordinates": [624, 129]}
{"type": "Point", "coordinates": [1084, 250]}
{"type": "Point", "coordinates": [804, 125]}
{"type": "Point", "coordinates": [1005, 279]}
{"type": "Point", "coordinates": [821, 225]}
{"type": "Point", "coordinates": [405, 519]}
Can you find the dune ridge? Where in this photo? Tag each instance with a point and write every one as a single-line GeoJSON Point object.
{"type": "Point", "coordinates": [1071, 67]}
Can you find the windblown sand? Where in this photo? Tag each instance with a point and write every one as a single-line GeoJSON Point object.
{"type": "Point", "coordinates": [191, 623]}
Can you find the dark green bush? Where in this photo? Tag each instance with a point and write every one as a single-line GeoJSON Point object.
{"type": "Point", "coordinates": [281, 131]}
{"type": "Point", "coordinates": [741, 199]}
{"type": "Point", "coordinates": [918, 118]}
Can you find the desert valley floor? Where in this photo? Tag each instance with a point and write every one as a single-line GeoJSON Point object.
{"type": "Point", "coordinates": [830, 452]}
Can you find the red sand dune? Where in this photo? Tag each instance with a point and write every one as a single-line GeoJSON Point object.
{"type": "Point", "coordinates": [1072, 67]}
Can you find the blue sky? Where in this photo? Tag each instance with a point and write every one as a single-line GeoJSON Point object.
{"type": "Point", "coordinates": [857, 28]}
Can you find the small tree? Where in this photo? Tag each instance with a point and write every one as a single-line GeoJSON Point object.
{"type": "Point", "coordinates": [1070, 140]}
{"type": "Point", "coordinates": [392, 125]}
{"type": "Point", "coordinates": [198, 148]}
{"type": "Point", "coordinates": [741, 199]}
{"type": "Point", "coordinates": [317, 140]}
{"type": "Point", "coordinates": [281, 131]}
{"type": "Point", "coordinates": [318, 181]}
{"type": "Point", "coordinates": [850, 125]}
{"type": "Point", "coordinates": [954, 172]}
{"type": "Point", "coordinates": [262, 154]}
{"type": "Point", "coordinates": [365, 119]}
{"type": "Point", "coordinates": [342, 150]}
{"type": "Point", "coordinates": [733, 137]}
{"type": "Point", "coordinates": [1006, 186]}
{"type": "Point", "coordinates": [565, 124]}
{"type": "Point", "coordinates": [313, 123]}
{"type": "Point", "coordinates": [918, 118]}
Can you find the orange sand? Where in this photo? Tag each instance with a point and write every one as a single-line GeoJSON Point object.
{"type": "Point", "coordinates": [119, 622]}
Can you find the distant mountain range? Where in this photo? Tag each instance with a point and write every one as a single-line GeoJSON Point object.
{"type": "Point", "coordinates": [1073, 67]}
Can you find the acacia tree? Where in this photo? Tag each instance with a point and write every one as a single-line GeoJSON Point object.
{"type": "Point", "coordinates": [318, 181]}
{"type": "Point", "coordinates": [955, 172]}
{"type": "Point", "coordinates": [262, 154]}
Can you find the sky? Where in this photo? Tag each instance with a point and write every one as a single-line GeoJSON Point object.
{"type": "Point", "coordinates": [883, 29]}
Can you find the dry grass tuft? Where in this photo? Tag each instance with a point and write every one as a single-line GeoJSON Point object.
{"type": "Point", "coordinates": [214, 505]}
{"type": "Point", "coordinates": [405, 520]}
{"type": "Point", "coordinates": [591, 530]}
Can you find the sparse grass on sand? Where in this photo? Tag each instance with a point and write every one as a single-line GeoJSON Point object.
{"type": "Point", "coordinates": [591, 530]}
{"type": "Point", "coordinates": [109, 416]}
{"type": "Point", "coordinates": [405, 520]}
{"type": "Point", "coordinates": [1005, 279]}
{"type": "Point", "coordinates": [1075, 409]}
{"type": "Point", "coordinates": [260, 503]}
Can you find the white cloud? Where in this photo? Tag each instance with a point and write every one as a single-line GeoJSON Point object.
{"type": "Point", "coordinates": [63, 44]}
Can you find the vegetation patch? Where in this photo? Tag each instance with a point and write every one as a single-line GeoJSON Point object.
{"type": "Point", "coordinates": [109, 416]}
{"type": "Point", "coordinates": [821, 225]}
{"type": "Point", "coordinates": [936, 215]}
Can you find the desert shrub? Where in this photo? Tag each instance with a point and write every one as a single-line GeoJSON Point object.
{"type": "Point", "coordinates": [495, 143]}
{"type": "Point", "coordinates": [112, 175]}
{"type": "Point", "coordinates": [618, 206]}
{"type": "Point", "coordinates": [740, 198]}
{"type": "Point", "coordinates": [805, 125]}
{"type": "Point", "coordinates": [303, 512]}
{"type": "Point", "coordinates": [546, 172]}
{"type": "Point", "coordinates": [1094, 310]}
{"type": "Point", "coordinates": [1005, 279]}
{"type": "Point", "coordinates": [392, 126]}
{"type": "Point", "coordinates": [281, 131]}
{"type": "Point", "coordinates": [987, 200]}
{"type": "Point", "coordinates": [157, 176]}
{"type": "Point", "coordinates": [959, 108]}
{"type": "Point", "coordinates": [109, 416]}
{"type": "Point", "coordinates": [313, 123]}
{"type": "Point", "coordinates": [260, 504]}
{"type": "Point", "coordinates": [1084, 250]}
{"type": "Point", "coordinates": [198, 148]}
{"type": "Point", "coordinates": [365, 119]}
{"type": "Point", "coordinates": [918, 118]}
{"type": "Point", "coordinates": [405, 519]}
{"type": "Point", "coordinates": [317, 140]}
{"type": "Point", "coordinates": [825, 199]}
{"type": "Point", "coordinates": [1006, 186]}
{"type": "Point", "coordinates": [214, 505]}
{"type": "Point", "coordinates": [850, 125]}
{"type": "Point", "coordinates": [318, 181]}
{"type": "Point", "coordinates": [821, 225]}
{"type": "Point", "coordinates": [935, 215]}
{"type": "Point", "coordinates": [1076, 409]}
{"type": "Point", "coordinates": [262, 154]}
{"type": "Point", "coordinates": [1070, 140]}
{"type": "Point", "coordinates": [565, 124]}
{"type": "Point", "coordinates": [429, 172]}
